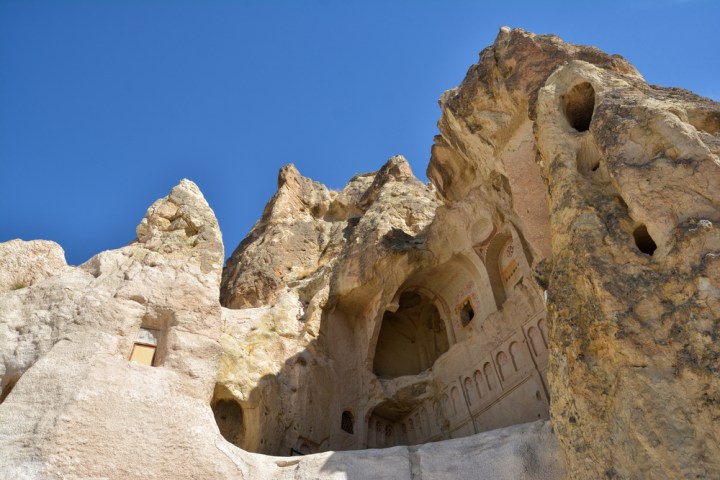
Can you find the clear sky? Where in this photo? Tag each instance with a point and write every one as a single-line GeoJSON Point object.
{"type": "Point", "coordinates": [105, 105]}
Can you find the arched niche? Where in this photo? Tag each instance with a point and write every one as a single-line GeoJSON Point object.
{"type": "Point", "coordinates": [228, 416]}
{"type": "Point", "coordinates": [347, 422]}
{"type": "Point", "coordinates": [492, 262]}
{"type": "Point", "coordinates": [401, 422]}
{"type": "Point", "coordinates": [506, 263]}
{"type": "Point", "coordinates": [459, 288]}
{"type": "Point", "coordinates": [411, 338]}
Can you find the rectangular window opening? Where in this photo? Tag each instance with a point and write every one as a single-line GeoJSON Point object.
{"type": "Point", "coordinates": [145, 346]}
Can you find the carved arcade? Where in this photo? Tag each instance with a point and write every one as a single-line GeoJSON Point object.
{"type": "Point", "coordinates": [494, 375]}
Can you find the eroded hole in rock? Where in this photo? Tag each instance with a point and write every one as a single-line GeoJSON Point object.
{"type": "Point", "coordinates": [587, 156]}
{"type": "Point", "coordinates": [644, 241]}
{"type": "Point", "coordinates": [411, 338]}
{"type": "Point", "coordinates": [578, 105]}
{"type": "Point", "coordinates": [705, 121]}
{"type": "Point", "coordinates": [466, 313]}
{"type": "Point", "coordinates": [228, 416]}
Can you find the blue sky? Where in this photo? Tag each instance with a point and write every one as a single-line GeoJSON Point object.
{"type": "Point", "coordinates": [106, 105]}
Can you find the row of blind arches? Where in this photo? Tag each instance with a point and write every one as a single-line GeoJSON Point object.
{"type": "Point", "coordinates": [483, 382]}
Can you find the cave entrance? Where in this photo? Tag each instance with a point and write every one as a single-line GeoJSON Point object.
{"type": "Point", "coordinates": [579, 105]}
{"type": "Point", "coordinates": [411, 338]}
{"type": "Point", "coordinates": [401, 422]}
{"type": "Point", "coordinates": [228, 416]}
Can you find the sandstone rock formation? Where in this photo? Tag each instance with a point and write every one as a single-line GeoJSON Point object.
{"type": "Point", "coordinates": [73, 406]}
{"type": "Point", "coordinates": [547, 307]}
{"type": "Point", "coordinates": [379, 284]}
{"type": "Point", "coordinates": [25, 263]}
{"type": "Point", "coordinates": [632, 175]}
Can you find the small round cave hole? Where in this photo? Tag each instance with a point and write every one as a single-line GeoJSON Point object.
{"type": "Point", "coordinates": [579, 104]}
{"type": "Point", "coordinates": [588, 157]}
{"type": "Point", "coordinates": [228, 416]}
{"type": "Point", "coordinates": [644, 241]}
{"type": "Point", "coordinates": [466, 313]}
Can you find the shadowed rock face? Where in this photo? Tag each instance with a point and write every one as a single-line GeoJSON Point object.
{"type": "Point", "coordinates": [563, 264]}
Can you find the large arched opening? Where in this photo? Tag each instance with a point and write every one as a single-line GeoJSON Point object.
{"type": "Point", "coordinates": [411, 338]}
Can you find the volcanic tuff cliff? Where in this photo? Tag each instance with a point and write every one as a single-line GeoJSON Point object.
{"type": "Point", "coordinates": [550, 301]}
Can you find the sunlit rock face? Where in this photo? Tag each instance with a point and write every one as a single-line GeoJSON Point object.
{"type": "Point", "coordinates": [551, 157]}
{"type": "Point", "coordinates": [25, 263]}
{"type": "Point", "coordinates": [629, 175]}
{"type": "Point", "coordinates": [545, 308]}
{"type": "Point", "coordinates": [396, 319]}
{"type": "Point", "coordinates": [73, 405]}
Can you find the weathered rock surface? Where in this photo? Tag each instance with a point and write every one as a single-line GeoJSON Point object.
{"type": "Point", "coordinates": [383, 318]}
{"type": "Point", "coordinates": [73, 406]}
{"type": "Point", "coordinates": [632, 177]}
{"type": "Point", "coordinates": [25, 263]}
{"type": "Point", "coordinates": [562, 265]}
{"type": "Point", "coordinates": [306, 226]}
{"type": "Point", "coordinates": [526, 451]}
{"type": "Point", "coordinates": [608, 188]}
{"type": "Point", "coordinates": [311, 247]}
